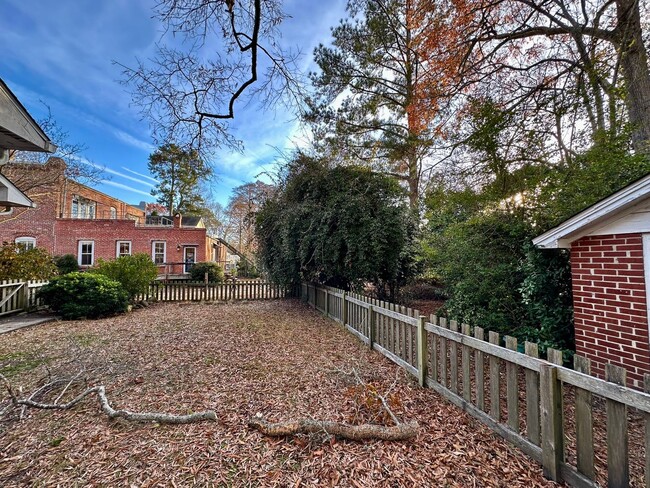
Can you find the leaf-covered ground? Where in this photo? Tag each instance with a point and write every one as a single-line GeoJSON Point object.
{"type": "Point", "coordinates": [277, 358]}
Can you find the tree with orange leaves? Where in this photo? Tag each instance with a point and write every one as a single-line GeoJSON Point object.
{"type": "Point", "coordinates": [379, 95]}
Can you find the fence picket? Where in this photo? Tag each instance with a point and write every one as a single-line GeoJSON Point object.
{"type": "Point", "coordinates": [512, 387]}
{"type": "Point", "coordinates": [434, 349]}
{"type": "Point", "coordinates": [495, 407]}
{"type": "Point", "coordinates": [618, 469]}
{"type": "Point", "coordinates": [584, 422]}
{"type": "Point", "coordinates": [479, 372]}
{"type": "Point", "coordinates": [443, 355]}
{"type": "Point", "coordinates": [453, 357]}
{"type": "Point", "coordinates": [532, 397]}
{"type": "Point", "coordinates": [467, 386]}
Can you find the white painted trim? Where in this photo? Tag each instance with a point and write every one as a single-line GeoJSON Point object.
{"type": "Point", "coordinates": [185, 249]}
{"type": "Point", "coordinates": [153, 251]}
{"type": "Point", "coordinates": [646, 275]}
{"type": "Point", "coordinates": [562, 235]}
{"type": "Point", "coordinates": [26, 240]}
{"type": "Point", "coordinates": [117, 247]}
{"type": "Point", "coordinates": [92, 254]}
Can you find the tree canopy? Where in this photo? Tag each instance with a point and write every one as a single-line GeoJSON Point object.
{"type": "Point", "coordinates": [343, 226]}
{"type": "Point", "coordinates": [179, 173]}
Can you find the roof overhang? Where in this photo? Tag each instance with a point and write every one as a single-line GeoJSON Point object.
{"type": "Point", "coordinates": [580, 224]}
{"type": "Point", "coordinates": [18, 130]}
{"type": "Point", "coordinates": [10, 196]}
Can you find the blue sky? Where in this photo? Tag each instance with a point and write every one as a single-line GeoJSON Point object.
{"type": "Point", "coordinates": [61, 53]}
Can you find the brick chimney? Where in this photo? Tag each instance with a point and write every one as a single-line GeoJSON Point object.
{"type": "Point", "coordinates": [178, 220]}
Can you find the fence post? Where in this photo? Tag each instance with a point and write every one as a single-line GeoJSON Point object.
{"type": "Point", "coordinates": [327, 302]}
{"type": "Point", "coordinates": [552, 435]}
{"type": "Point", "coordinates": [344, 314]}
{"type": "Point", "coordinates": [422, 351]}
{"type": "Point", "coordinates": [371, 326]}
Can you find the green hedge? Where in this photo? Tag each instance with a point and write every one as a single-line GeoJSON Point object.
{"type": "Point", "coordinates": [84, 295]}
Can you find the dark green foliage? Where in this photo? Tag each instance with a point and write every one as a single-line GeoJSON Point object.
{"type": "Point", "coordinates": [84, 295]}
{"type": "Point", "coordinates": [343, 226]}
{"type": "Point", "coordinates": [215, 272]}
{"type": "Point", "coordinates": [134, 273]}
{"type": "Point", "coordinates": [479, 239]}
{"type": "Point", "coordinates": [179, 173]}
{"type": "Point", "coordinates": [18, 263]}
{"type": "Point", "coordinates": [245, 269]}
{"type": "Point", "coordinates": [66, 263]}
{"type": "Point", "coordinates": [546, 294]}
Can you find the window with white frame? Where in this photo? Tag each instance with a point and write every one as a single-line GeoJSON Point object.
{"type": "Point", "coordinates": [123, 248]}
{"type": "Point", "coordinates": [158, 249]}
{"type": "Point", "coordinates": [82, 208]}
{"type": "Point", "coordinates": [113, 213]}
{"type": "Point", "coordinates": [86, 255]}
{"type": "Point", "coordinates": [26, 243]}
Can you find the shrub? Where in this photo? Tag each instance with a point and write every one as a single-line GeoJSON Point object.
{"type": "Point", "coordinates": [215, 272]}
{"type": "Point", "coordinates": [78, 295]}
{"type": "Point", "coordinates": [134, 273]}
{"type": "Point", "coordinates": [18, 263]}
{"type": "Point", "coordinates": [66, 264]}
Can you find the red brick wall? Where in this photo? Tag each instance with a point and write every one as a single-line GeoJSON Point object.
{"type": "Point", "coordinates": [106, 233]}
{"type": "Point", "coordinates": [103, 203]}
{"type": "Point", "coordinates": [609, 298]}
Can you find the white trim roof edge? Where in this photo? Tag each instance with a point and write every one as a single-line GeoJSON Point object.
{"type": "Point", "coordinates": [16, 196]}
{"type": "Point", "coordinates": [597, 212]}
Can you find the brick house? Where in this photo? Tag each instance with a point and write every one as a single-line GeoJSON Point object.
{"type": "Point", "coordinates": [610, 268]}
{"type": "Point", "coordinates": [71, 218]}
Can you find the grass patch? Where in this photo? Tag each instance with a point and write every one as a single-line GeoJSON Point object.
{"type": "Point", "coordinates": [14, 363]}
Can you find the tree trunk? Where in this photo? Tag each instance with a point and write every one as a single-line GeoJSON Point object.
{"type": "Point", "coordinates": [634, 64]}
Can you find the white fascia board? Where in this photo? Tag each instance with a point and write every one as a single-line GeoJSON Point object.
{"type": "Point", "coordinates": [562, 235]}
{"type": "Point", "coordinates": [10, 196]}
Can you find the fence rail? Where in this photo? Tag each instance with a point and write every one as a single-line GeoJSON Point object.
{"type": "Point", "coordinates": [456, 361]}
{"type": "Point", "coordinates": [19, 296]}
{"type": "Point", "coordinates": [198, 291]}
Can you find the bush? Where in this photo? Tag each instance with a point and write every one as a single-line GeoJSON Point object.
{"type": "Point", "coordinates": [215, 272]}
{"type": "Point", "coordinates": [18, 263]}
{"type": "Point", "coordinates": [134, 273]}
{"type": "Point", "coordinates": [84, 295]}
{"type": "Point", "coordinates": [66, 264]}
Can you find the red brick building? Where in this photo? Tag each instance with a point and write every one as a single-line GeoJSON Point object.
{"type": "Point", "coordinates": [610, 268]}
{"type": "Point", "coordinates": [71, 218]}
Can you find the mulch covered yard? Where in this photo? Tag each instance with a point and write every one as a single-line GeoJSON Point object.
{"type": "Point", "coordinates": [277, 358]}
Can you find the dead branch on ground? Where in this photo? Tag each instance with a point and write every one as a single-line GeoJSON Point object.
{"type": "Point", "coordinates": [100, 391]}
{"type": "Point", "coordinates": [398, 432]}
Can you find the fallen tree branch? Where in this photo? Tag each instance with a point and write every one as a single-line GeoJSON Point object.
{"type": "Point", "coordinates": [398, 432]}
{"type": "Point", "coordinates": [363, 432]}
{"type": "Point", "coordinates": [100, 391]}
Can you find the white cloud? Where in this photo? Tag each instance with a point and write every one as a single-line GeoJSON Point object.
{"type": "Point", "coordinates": [126, 187]}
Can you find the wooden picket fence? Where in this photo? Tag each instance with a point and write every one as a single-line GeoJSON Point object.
{"type": "Point", "coordinates": [458, 363]}
{"type": "Point", "coordinates": [19, 296]}
{"type": "Point", "coordinates": [200, 291]}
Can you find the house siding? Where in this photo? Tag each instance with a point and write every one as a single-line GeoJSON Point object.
{"type": "Point", "coordinates": [610, 303]}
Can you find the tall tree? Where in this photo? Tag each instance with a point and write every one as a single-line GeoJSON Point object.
{"type": "Point", "coordinates": [537, 52]}
{"type": "Point", "coordinates": [244, 203]}
{"type": "Point", "coordinates": [189, 93]}
{"type": "Point", "coordinates": [179, 173]}
{"type": "Point", "coordinates": [377, 93]}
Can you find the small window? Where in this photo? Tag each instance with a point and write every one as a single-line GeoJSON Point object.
{"type": "Point", "coordinates": [123, 248]}
{"type": "Point", "coordinates": [26, 243]}
{"type": "Point", "coordinates": [82, 208]}
{"type": "Point", "coordinates": [158, 252]}
{"type": "Point", "coordinates": [86, 256]}
{"type": "Point", "coordinates": [113, 213]}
